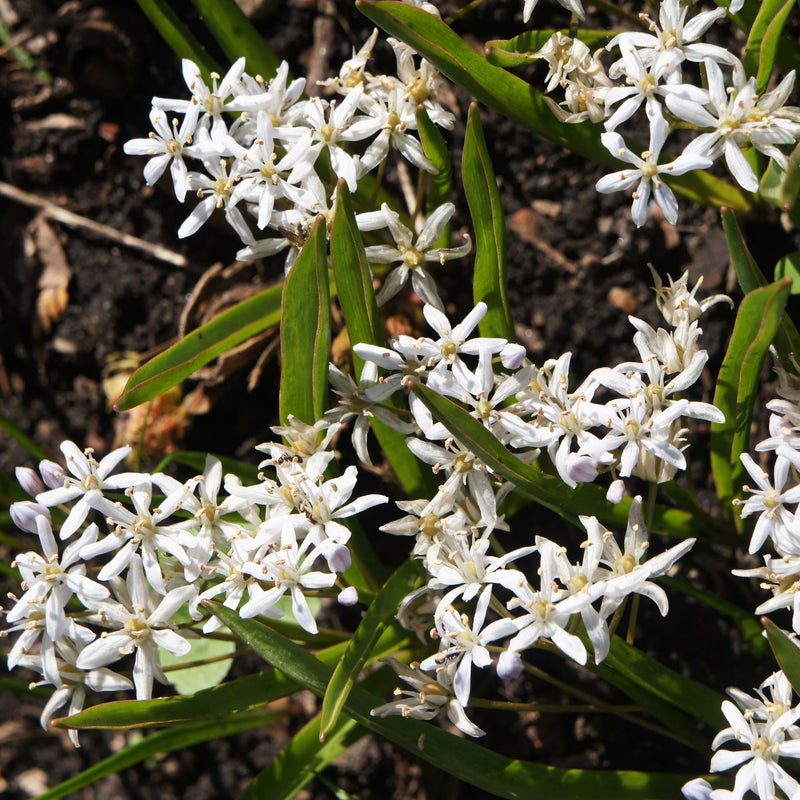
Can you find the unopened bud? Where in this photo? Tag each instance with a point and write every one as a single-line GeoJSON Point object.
{"type": "Point", "coordinates": [581, 469]}
{"type": "Point", "coordinates": [512, 355]}
{"type": "Point", "coordinates": [24, 514]}
{"type": "Point", "coordinates": [29, 480]}
{"type": "Point", "coordinates": [348, 596]}
{"type": "Point", "coordinates": [339, 558]}
{"type": "Point", "coordinates": [616, 491]}
{"type": "Point", "coordinates": [509, 665]}
{"type": "Point", "coordinates": [52, 474]}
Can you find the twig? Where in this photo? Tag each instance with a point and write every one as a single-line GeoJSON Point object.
{"type": "Point", "coordinates": [72, 220]}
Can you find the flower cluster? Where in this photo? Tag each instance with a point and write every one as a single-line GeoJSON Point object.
{"type": "Point", "coordinates": [652, 72]}
{"type": "Point", "coordinates": [272, 162]}
{"type": "Point", "coordinates": [767, 727]}
{"type": "Point", "coordinates": [95, 592]}
{"type": "Point", "coordinates": [637, 432]}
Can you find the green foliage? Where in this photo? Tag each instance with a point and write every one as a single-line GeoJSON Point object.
{"type": "Point", "coordinates": [503, 777]}
{"type": "Point", "coordinates": [737, 385]}
{"type": "Point", "coordinates": [489, 282]}
{"type": "Point", "coordinates": [762, 43]}
{"type": "Point", "coordinates": [228, 329]}
{"type": "Point", "coordinates": [306, 333]}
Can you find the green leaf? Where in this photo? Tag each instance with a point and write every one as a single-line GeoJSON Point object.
{"type": "Point", "coordinates": [489, 282]}
{"type": "Point", "coordinates": [750, 629]}
{"type": "Point", "coordinates": [552, 492]}
{"type": "Point", "coordinates": [786, 651]}
{"type": "Point", "coordinates": [504, 777]}
{"type": "Point", "coordinates": [306, 333]}
{"type": "Point", "coordinates": [21, 438]}
{"type": "Point", "coordinates": [789, 267]}
{"type": "Point", "coordinates": [353, 276]}
{"type": "Point", "coordinates": [357, 297]}
{"type": "Point", "coordinates": [167, 741]}
{"type": "Point", "coordinates": [238, 695]}
{"type": "Point", "coordinates": [668, 695]}
{"type": "Point", "coordinates": [787, 339]}
{"type": "Point", "coordinates": [379, 614]}
{"type": "Point", "coordinates": [519, 50]}
{"type": "Point", "coordinates": [516, 99]}
{"type": "Point", "coordinates": [302, 758]}
{"type": "Point", "coordinates": [178, 36]}
{"type": "Point", "coordinates": [440, 189]}
{"type": "Point", "coordinates": [737, 385]}
{"type": "Point", "coordinates": [225, 331]}
{"type": "Point", "coordinates": [237, 36]}
{"type": "Point", "coordinates": [762, 43]}
{"type": "Point", "coordinates": [188, 680]}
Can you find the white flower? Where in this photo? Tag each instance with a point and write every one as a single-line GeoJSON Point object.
{"type": "Point", "coordinates": [52, 580]}
{"type": "Point", "coordinates": [167, 146]}
{"type": "Point", "coordinates": [210, 99]}
{"type": "Point", "coordinates": [427, 698]}
{"type": "Point", "coordinates": [764, 744]}
{"type": "Point", "coordinates": [88, 475]}
{"type": "Point", "coordinates": [138, 624]}
{"type": "Point", "coordinates": [412, 255]}
{"type": "Point", "coordinates": [646, 172]}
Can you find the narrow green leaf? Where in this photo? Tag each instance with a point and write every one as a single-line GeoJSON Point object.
{"type": "Point", "coordinates": [668, 695]}
{"type": "Point", "coordinates": [762, 43]}
{"type": "Point", "coordinates": [504, 777]}
{"type": "Point", "coordinates": [167, 741]}
{"type": "Point", "coordinates": [750, 629]}
{"type": "Point", "coordinates": [302, 759]}
{"type": "Point", "coordinates": [379, 614]}
{"type": "Point", "coordinates": [519, 50]}
{"type": "Point", "coordinates": [177, 35]}
{"type": "Point", "coordinates": [789, 267]}
{"type": "Point", "coordinates": [440, 188]}
{"type": "Point", "coordinates": [353, 276]}
{"type": "Point", "coordinates": [357, 297]}
{"type": "Point", "coordinates": [552, 492]}
{"type": "Point", "coordinates": [237, 36]}
{"type": "Point", "coordinates": [306, 333]}
{"type": "Point", "coordinates": [516, 99]}
{"type": "Point", "coordinates": [489, 282]}
{"type": "Point", "coordinates": [228, 329]}
{"type": "Point", "coordinates": [239, 695]}
{"type": "Point", "coordinates": [786, 651]}
{"type": "Point", "coordinates": [750, 276]}
{"type": "Point", "coordinates": [737, 385]}
{"type": "Point", "coordinates": [21, 438]}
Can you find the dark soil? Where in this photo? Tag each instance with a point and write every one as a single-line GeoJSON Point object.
{"type": "Point", "coordinates": [576, 270]}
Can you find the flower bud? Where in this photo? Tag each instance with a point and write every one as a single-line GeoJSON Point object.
{"type": "Point", "coordinates": [24, 514]}
{"type": "Point", "coordinates": [696, 789]}
{"type": "Point", "coordinates": [52, 474]}
{"type": "Point", "coordinates": [509, 665]}
{"type": "Point", "coordinates": [29, 480]}
{"type": "Point", "coordinates": [338, 558]}
{"type": "Point", "coordinates": [581, 469]}
{"type": "Point", "coordinates": [512, 355]}
{"type": "Point", "coordinates": [616, 491]}
{"type": "Point", "coordinates": [348, 596]}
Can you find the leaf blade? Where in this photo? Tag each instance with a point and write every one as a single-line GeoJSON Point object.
{"type": "Point", "coordinates": [225, 331]}
{"type": "Point", "coordinates": [306, 333]}
{"type": "Point", "coordinates": [489, 283]}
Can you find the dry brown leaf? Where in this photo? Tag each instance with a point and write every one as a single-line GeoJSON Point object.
{"type": "Point", "coordinates": [54, 281]}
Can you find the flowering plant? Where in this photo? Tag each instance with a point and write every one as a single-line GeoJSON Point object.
{"type": "Point", "coordinates": [131, 577]}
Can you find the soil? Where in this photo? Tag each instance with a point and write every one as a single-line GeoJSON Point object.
{"type": "Point", "coordinates": [576, 270]}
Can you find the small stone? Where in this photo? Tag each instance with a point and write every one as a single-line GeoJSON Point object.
{"type": "Point", "coordinates": [622, 299]}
